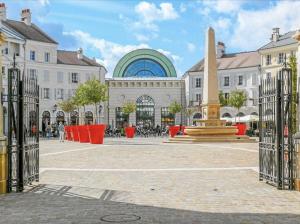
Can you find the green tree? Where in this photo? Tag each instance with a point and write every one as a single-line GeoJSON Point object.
{"type": "Point", "coordinates": [68, 106]}
{"type": "Point", "coordinates": [128, 108]}
{"type": "Point", "coordinates": [189, 112]}
{"type": "Point", "coordinates": [237, 99]}
{"type": "Point", "coordinates": [95, 92]}
{"type": "Point", "coordinates": [175, 108]}
{"type": "Point", "coordinates": [292, 64]}
{"type": "Point", "coordinates": [222, 99]}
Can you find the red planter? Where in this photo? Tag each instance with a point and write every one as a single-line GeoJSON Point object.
{"type": "Point", "coordinates": [68, 133]}
{"type": "Point", "coordinates": [75, 134]}
{"type": "Point", "coordinates": [96, 133]}
{"type": "Point", "coordinates": [241, 128]}
{"type": "Point", "coordinates": [173, 130]}
{"type": "Point", "coordinates": [130, 131]}
{"type": "Point", "coordinates": [83, 133]}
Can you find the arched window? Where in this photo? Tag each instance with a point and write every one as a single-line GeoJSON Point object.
{"type": "Point", "coordinates": [60, 116]}
{"type": "Point", "coordinates": [144, 68]}
{"type": "Point", "coordinates": [74, 117]}
{"type": "Point", "coordinates": [88, 117]}
{"type": "Point", "coordinates": [145, 111]}
{"type": "Point", "coordinates": [197, 116]}
{"type": "Point", "coordinates": [227, 115]}
{"type": "Point", "coordinates": [46, 120]}
{"type": "Point", "coordinates": [240, 114]}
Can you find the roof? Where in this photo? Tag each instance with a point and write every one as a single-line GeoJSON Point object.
{"type": "Point", "coordinates": [31, 32]}
{"type": "Point", "coordinates": [70, 58]}
{"type": "Point", "coordinates": [285, 39]}
{"type": "Point", "coordinates": [143, 79]}
{"type": "Point", "coordinates": [232, 61]}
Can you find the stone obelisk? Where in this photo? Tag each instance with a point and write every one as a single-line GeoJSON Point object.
{"type": "Point", "coordinates": [210, 103]}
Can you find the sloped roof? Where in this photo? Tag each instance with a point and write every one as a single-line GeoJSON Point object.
{"type": "Point", "coordinates": [232, 61]}
{"type": "Point", "coordinates": [285, 39]}
{"type": "Point", "coordinates": [70, 58]}
{"type": "Point", "coordinates": [31, 32]}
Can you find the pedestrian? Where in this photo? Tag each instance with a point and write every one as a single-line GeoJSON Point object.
{"type": "Point", "coordinates": [48, 131]}
{"type": "Point", "coordinates": [61, 131]}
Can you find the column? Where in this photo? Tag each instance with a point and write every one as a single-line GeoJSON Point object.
{"type": "Point", "coordinates": [3, 144]}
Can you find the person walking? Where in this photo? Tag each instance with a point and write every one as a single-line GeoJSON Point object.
{"type": "Point", "coordinates": [48, 131]}
{"type": "Point", "coordinates": [61, 131]}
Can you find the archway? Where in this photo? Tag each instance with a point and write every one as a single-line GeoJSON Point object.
{"type": "Point", "coordinates": [240, 114]}
{"type": "Point", "coordinates": [227, 115]}
{"type": "Point", "coordinates": [88, 117]}
{"type": "Point", "coordinates": [60, 117]}
{"type": "Point", "coordinates": [145, 111]}
{"type": "Point", "coordinates": [74, 117]}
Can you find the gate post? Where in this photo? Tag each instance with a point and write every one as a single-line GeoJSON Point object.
{"type": "Point", "coordinates": [296, 36]}
{"type": "Point", "coordinates": [3, 147]}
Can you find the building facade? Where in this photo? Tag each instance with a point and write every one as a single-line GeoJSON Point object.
{"type": "Point", "coordinates": [236, 71]}
{"type": "Point", "coordinates": [58, 72]}
{"type": "Point", "coordinates": [147, 78]}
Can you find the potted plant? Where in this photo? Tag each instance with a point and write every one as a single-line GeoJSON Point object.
{"type": "Point", "coordinates": [95, 93]}
{"type": "Point", "coordinates": [128, 108]}
{"type": "Point", "coordinates": [237, 99]}
{"type": "Point", "coordinates": [174, 108]}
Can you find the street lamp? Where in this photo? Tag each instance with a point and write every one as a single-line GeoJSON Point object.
{"type": "Point", "coordinates": [100, 110]}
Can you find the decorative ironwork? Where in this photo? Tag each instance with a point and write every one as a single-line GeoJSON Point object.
{"type": "Point", "coordinates": [275, 141]}
{"type": "Point", "coordinates": [23, 134]}
{"type": "Point", "coordinates": [145, 111]}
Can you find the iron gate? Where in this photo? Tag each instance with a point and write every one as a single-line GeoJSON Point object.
{"type": "Point", "coordinates": [275, 125]}
{"type": "Point", "coordinates": [23, 130]}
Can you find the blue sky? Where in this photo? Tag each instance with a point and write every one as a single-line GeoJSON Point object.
{"type": "Point", "coordinates": [109, 29]}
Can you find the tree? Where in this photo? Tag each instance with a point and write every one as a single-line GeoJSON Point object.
{"type": "Point", "coordinates": [128, 108]}
{"type": "Point", "coordinates": [175, 108]}
{"type": "Point", "coordinates": [292, 64]}
{"type": "Point", "coordinates": [222, 99]}
{"type": "Point", "coordinates": [237, 99]}
{"type": "Point", "coordinates": [81, 98]}
{"type": "Point", "coordinates": [95, 93]}
{"type": "Point", "coordinates": [189, 112]}
{"type": "Point", "coordinates": [68, 106]}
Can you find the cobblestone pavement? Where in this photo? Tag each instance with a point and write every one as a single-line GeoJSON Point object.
{"type": "Point", "coordinates": [146, 181]}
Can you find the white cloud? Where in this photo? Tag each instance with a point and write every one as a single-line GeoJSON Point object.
{"type": "Point", "coordinates": [253, 28]}
{"type": "Point", "coordinates": [224, 6]}
{"type": "Point", "coordinates": [191, 47]}
{"type": "Point", "coordinates": [183, 7]}
{"type": "Point", "coordinates": [174, 58]}
{"type": "Point", "coordinates": [142, 38]}
{"type": "Point", "coordinates": [222, 23]}
{"type": "Point", "coordinates": [111, 52]}
{"type": "Point", "coordinates": [44, 2]}
{"type": "Point", "coordinates": [149, 12]}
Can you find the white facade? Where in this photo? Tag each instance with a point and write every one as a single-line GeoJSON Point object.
{"type": "Point", "coordinates": [163, 91]}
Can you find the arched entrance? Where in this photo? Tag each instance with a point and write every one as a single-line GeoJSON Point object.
{"type": "Point", "coordinates": [145, 111]}
{"type": "Point", "coordinates": [88, 117]}
{"type": "Point", "coordinates": [74, 117]}
{"type": "Point", "coordinates": [60, 117]}
{"type": "Point", "coordinates": [227, 115]}
{"type": "Point", "coordinates": [46, 120]}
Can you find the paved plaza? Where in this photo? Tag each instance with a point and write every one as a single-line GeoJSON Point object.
{"type": "Point", "coordinates": [144, 180]}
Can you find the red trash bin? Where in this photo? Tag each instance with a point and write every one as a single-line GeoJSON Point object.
{"type": "Point", "coordinates": [241, 128]}
{"type": "Point", "coordinates": [96, 133]}
{"type": "Point", "coordinates": [173, 130]}
{"type": "Point", "coordinates": [83, 133]}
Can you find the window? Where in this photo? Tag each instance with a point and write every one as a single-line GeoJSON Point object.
{"type": "Point", "coordinates": [226, 96]}
{"type": "Point", "coordinates": [144, 68]}
{"type": "Point", "coordinates": [226, 81]}
{"type": "Point", "coordinates": [32, 55]}
{"type": "Point", "coordinates": [254, 81]}
{"type": "Point", "coordinates": [198, 82]}
{"type": "Point", "coordinates": [6, 50]}
{"type": "Point", "coordinates": [3, 70]}
{"type": "Point", "coordinates": [74, 77]}
{"type": "Point", "coordinates": [47, 57]}
{"type": "Point", "coordinates": [198, 97]}
{"type": "Point", "coordinates": [32, 74]}
{"type": "Point", "coordinates": [241, 79]}
{"type": "Point", "coordinates": [60, 94]}
{"type": "Point", "coordinates": [121, 118]}
{"type": "Point", "coordinates": [166, 117]}
{"type": "Point", "coordinates": [268, 59]}
{"type": "Point", "coordinates": [60, 77]}
{"type": "Point", "coordinates": [46, 93]}
{"type": "Point", "coordinates": [46, 76]}
{"type": "Point", "coordinates": [268, 75]}
{"type": "Point", "coordinates": [281, 58]}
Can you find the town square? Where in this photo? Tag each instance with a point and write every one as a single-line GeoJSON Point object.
{"type": "Point", "coordinates": [149, 111]}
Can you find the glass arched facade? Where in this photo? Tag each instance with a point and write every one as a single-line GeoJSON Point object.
{"type": "Point", "coordinates": [145, 111]}
{"type": "Point", "coordinates": [144, 68]}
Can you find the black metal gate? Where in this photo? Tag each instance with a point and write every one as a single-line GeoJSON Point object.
{"type": "Point", "coordinates": [275, 125]}
{"type": "Point", "coordinates": [23, 130]}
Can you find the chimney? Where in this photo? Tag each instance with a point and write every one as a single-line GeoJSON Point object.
{"type": "Point", "coordinates": [275, 35]}
{"type": "Point", "coordinates": [80, 53]}
{"type": "Point", "coordinates": [2, 11]}
{"type": "Point", "coordinates": [220, 49]}
{"type": "Point", "coordinates": [26, 16]}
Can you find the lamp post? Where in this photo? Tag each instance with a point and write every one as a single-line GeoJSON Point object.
{"type": "Point", "coordinates": [3, 148]}
{"type": "Point", "coordinates": [100, 110]}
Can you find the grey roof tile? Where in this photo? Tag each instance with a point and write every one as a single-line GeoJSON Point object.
{"type": "Point", "coordinates": [70, 58]}
{"type": "Point", "coordinates": [285, 39]}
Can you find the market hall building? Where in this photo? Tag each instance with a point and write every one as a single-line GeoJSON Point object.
{"type": "Point", "coordinates": [148, 78]}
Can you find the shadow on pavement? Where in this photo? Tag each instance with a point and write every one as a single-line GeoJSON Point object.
{"type": "Point", "coordinates": [58, 204]}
